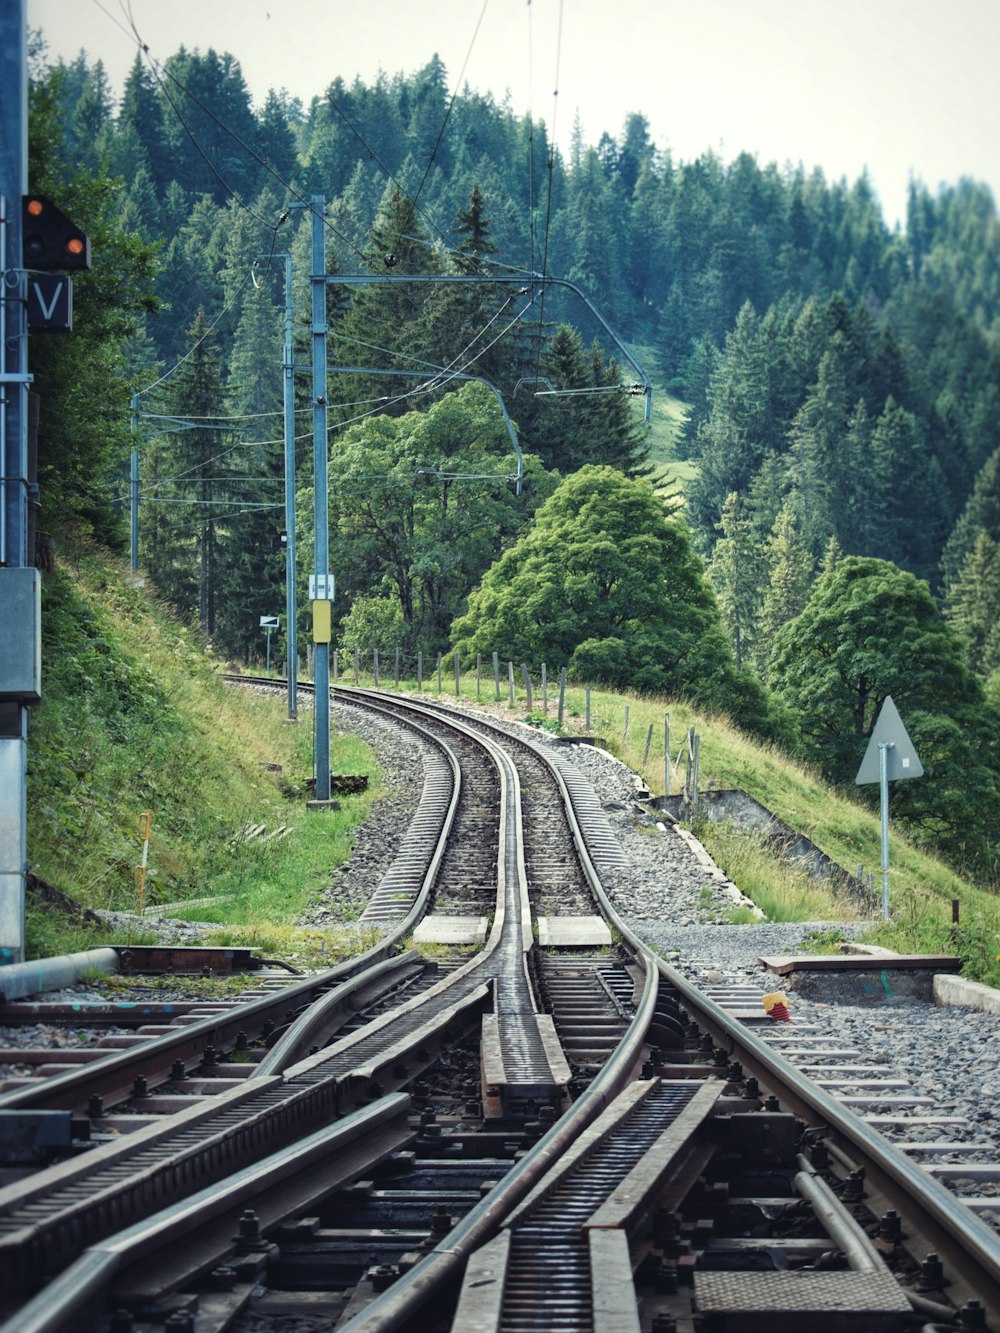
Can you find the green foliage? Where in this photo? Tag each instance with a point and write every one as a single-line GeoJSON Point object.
{"type": "Point", "coordinates": [421, 505]}
{"type": "Point", "coordinates": [604, 582]}
{"type": "Point", "coordinates": [134, 717]}
{"type": "Point", "coordinates": [973, 604]}
{"type": "Point", "coordinates": [782, 890]}
{"type": "Point", "coordinates": [870, 630]}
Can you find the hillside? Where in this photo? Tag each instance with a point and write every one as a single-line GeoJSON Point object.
{"type": "Point", "coordinates": [826, 397]}
{"type": "Point", "coordinates": [135, 717]}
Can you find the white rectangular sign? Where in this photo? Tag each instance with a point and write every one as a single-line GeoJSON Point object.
{"type": "Point", "coordinates": [322, 588]}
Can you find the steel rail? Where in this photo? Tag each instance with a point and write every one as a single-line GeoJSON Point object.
{"type": "Point", "coordinates": [969, 1248]}
{"type": "Point", "coordinates": [307, 1028]}
{"type": "Point", "coordinates": [67, 1302]}
{"type": "Point", "coordinates": [190, 1040]}
{"type": "Point", "coordinates": [351, 1067]}
{"type": "Point", "coordinates": [76, 1087]}
{"type": "Point", "coordinates": [399, 1304]}
{"type": "Point", "coordinates": [397, 1307]}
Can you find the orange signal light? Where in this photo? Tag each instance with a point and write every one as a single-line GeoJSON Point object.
{"type": "Point", "coordinates": [49, 239]}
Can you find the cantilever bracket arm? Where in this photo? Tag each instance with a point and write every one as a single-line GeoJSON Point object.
{"type": "Point", "coordinates": [435, 381]}
{"type": "Point", "coordinates": [524, 281]}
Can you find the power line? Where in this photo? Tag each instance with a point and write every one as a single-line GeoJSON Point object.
{"type": "Point", "coordinates": [447, 116]}
{"type": "Point", "coordinates": [548, 204]}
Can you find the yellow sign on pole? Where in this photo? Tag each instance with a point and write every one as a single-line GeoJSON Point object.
{"type": "Point", "coordinates": [322, 621]}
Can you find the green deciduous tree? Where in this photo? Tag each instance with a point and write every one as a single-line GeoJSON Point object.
{"type": "Point", "coordinates": [605, 583]}
{"type": "Point", "coordinates": [421, 506]}
{"type": "Point", "coordinates": [870, 630]}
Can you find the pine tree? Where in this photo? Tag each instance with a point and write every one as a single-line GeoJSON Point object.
{"type": "Point", "coordinates": [973, 605]}
{"type": "Point", "coordinates": [190, 483]}
{"type": "Point", "coordinates": [788, 580]}
{"type": "Point", "coordinates": [737, 573]}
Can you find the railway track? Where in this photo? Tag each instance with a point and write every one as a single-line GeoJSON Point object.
{"type": "Point", "coordinates": [530, 1139]}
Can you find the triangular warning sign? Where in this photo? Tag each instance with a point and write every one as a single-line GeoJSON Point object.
{"type": "Point", "coordinates": [901, 756]}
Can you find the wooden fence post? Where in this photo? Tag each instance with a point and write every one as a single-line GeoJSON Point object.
{"type": "Point", "coordinates": [335, 666]}
{"type": "Point", "coordinates": [420, 670]}
{"type": "Point", "coordinates": [375, 665]}
{"type": "Point", "coordinates": [496, 673]}
{"type": "Point", "coordinates": [478, 672]}
{"type": "Point", "coordinates": [527, 684]}
{"type": "Point", "coordinates": [562, 692]}
{"type": "Point", "coordinates": [545, 693]}
{"type": "Point", "coordinates": [397, 668]}
{"type": "Point", "coordinates": [458, 688]}
{"type": "Point", "coordinates": [667, 768]}
{"type": "Point", "coordinates": [649, 742]}
{"type": "Point", "coordinates": [439, 673]}
{"type": "Point", "coordinates": [625, 729]}
{"type": "Point", "coordinates": [586, 718]}
{"type": "Point", "coordinates": [510, 682]}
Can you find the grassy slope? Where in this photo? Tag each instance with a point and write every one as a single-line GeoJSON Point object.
{"type": "Point", "coordinates": [135, 717]}
{"type": "Point", "coordinates": [670, 474]}
{"type": "Point", "coordinates": [921, 887]}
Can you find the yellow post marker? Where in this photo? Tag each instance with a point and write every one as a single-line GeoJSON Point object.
{"type": "Point", "coordinates": [145, 819]}
{"type": "Point", "coordinates": [322, 613]}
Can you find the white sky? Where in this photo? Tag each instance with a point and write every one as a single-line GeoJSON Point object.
{"type": "Point", "coordinates": [898, 86]}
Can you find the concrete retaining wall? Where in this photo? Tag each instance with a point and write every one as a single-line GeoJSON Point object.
{"type": "Point", "coordinates": [748, 815]}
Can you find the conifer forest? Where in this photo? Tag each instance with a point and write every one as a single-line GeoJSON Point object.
{"type": "Point", "coordinates": [827, 531]}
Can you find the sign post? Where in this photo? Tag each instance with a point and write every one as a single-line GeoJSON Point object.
{"type": "Point", "coordinates": [269, 623]}
{"type": "Point", "coordinates": [890, 755]}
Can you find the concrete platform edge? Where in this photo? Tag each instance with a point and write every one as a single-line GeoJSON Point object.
{"type": "Point", "coordinates": [954, 990]}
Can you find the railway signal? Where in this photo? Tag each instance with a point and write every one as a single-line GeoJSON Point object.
{"type": "Point", "coordinates": [51, 240]}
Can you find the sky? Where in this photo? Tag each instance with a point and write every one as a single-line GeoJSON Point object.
{"type": "Point", "coordinates": [900, 88]}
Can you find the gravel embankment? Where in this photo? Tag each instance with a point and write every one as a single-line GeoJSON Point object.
{"type": "Point", "coordinates": [950, 1053]}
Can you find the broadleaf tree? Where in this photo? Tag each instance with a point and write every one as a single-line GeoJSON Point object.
{"type": "Point", "coordinates": [605, 583]}
{"type": "Point", "coordinates": [870, 630]}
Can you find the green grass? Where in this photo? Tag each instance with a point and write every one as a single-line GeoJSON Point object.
{"type": "Point", "coordinates": [135, 717]}
{"type": "Point", "coordinates": [782, 890]}
{"type": "Point", "coordinates": [670, 475]}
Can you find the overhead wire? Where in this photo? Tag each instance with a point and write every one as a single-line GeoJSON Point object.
{"type": "Point", "coordinates": [548, 204]}
{"type": "Point", "coordinates": [446, 372]}
{"type": "Point", "coordinates": [415, 199]}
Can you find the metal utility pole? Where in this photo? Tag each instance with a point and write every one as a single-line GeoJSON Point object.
{"type": "Point", "coordinates": [20, 596]}
{"type": "Point", "coordinates": [291, 618]}
{"type": "Point", "coordinates": [133, 488]}
{"type": "Point", "coordinates": [321, 589]}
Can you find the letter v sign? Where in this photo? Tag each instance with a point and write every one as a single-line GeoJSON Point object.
{"type": "Point", "coordinates": [50, 303]}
